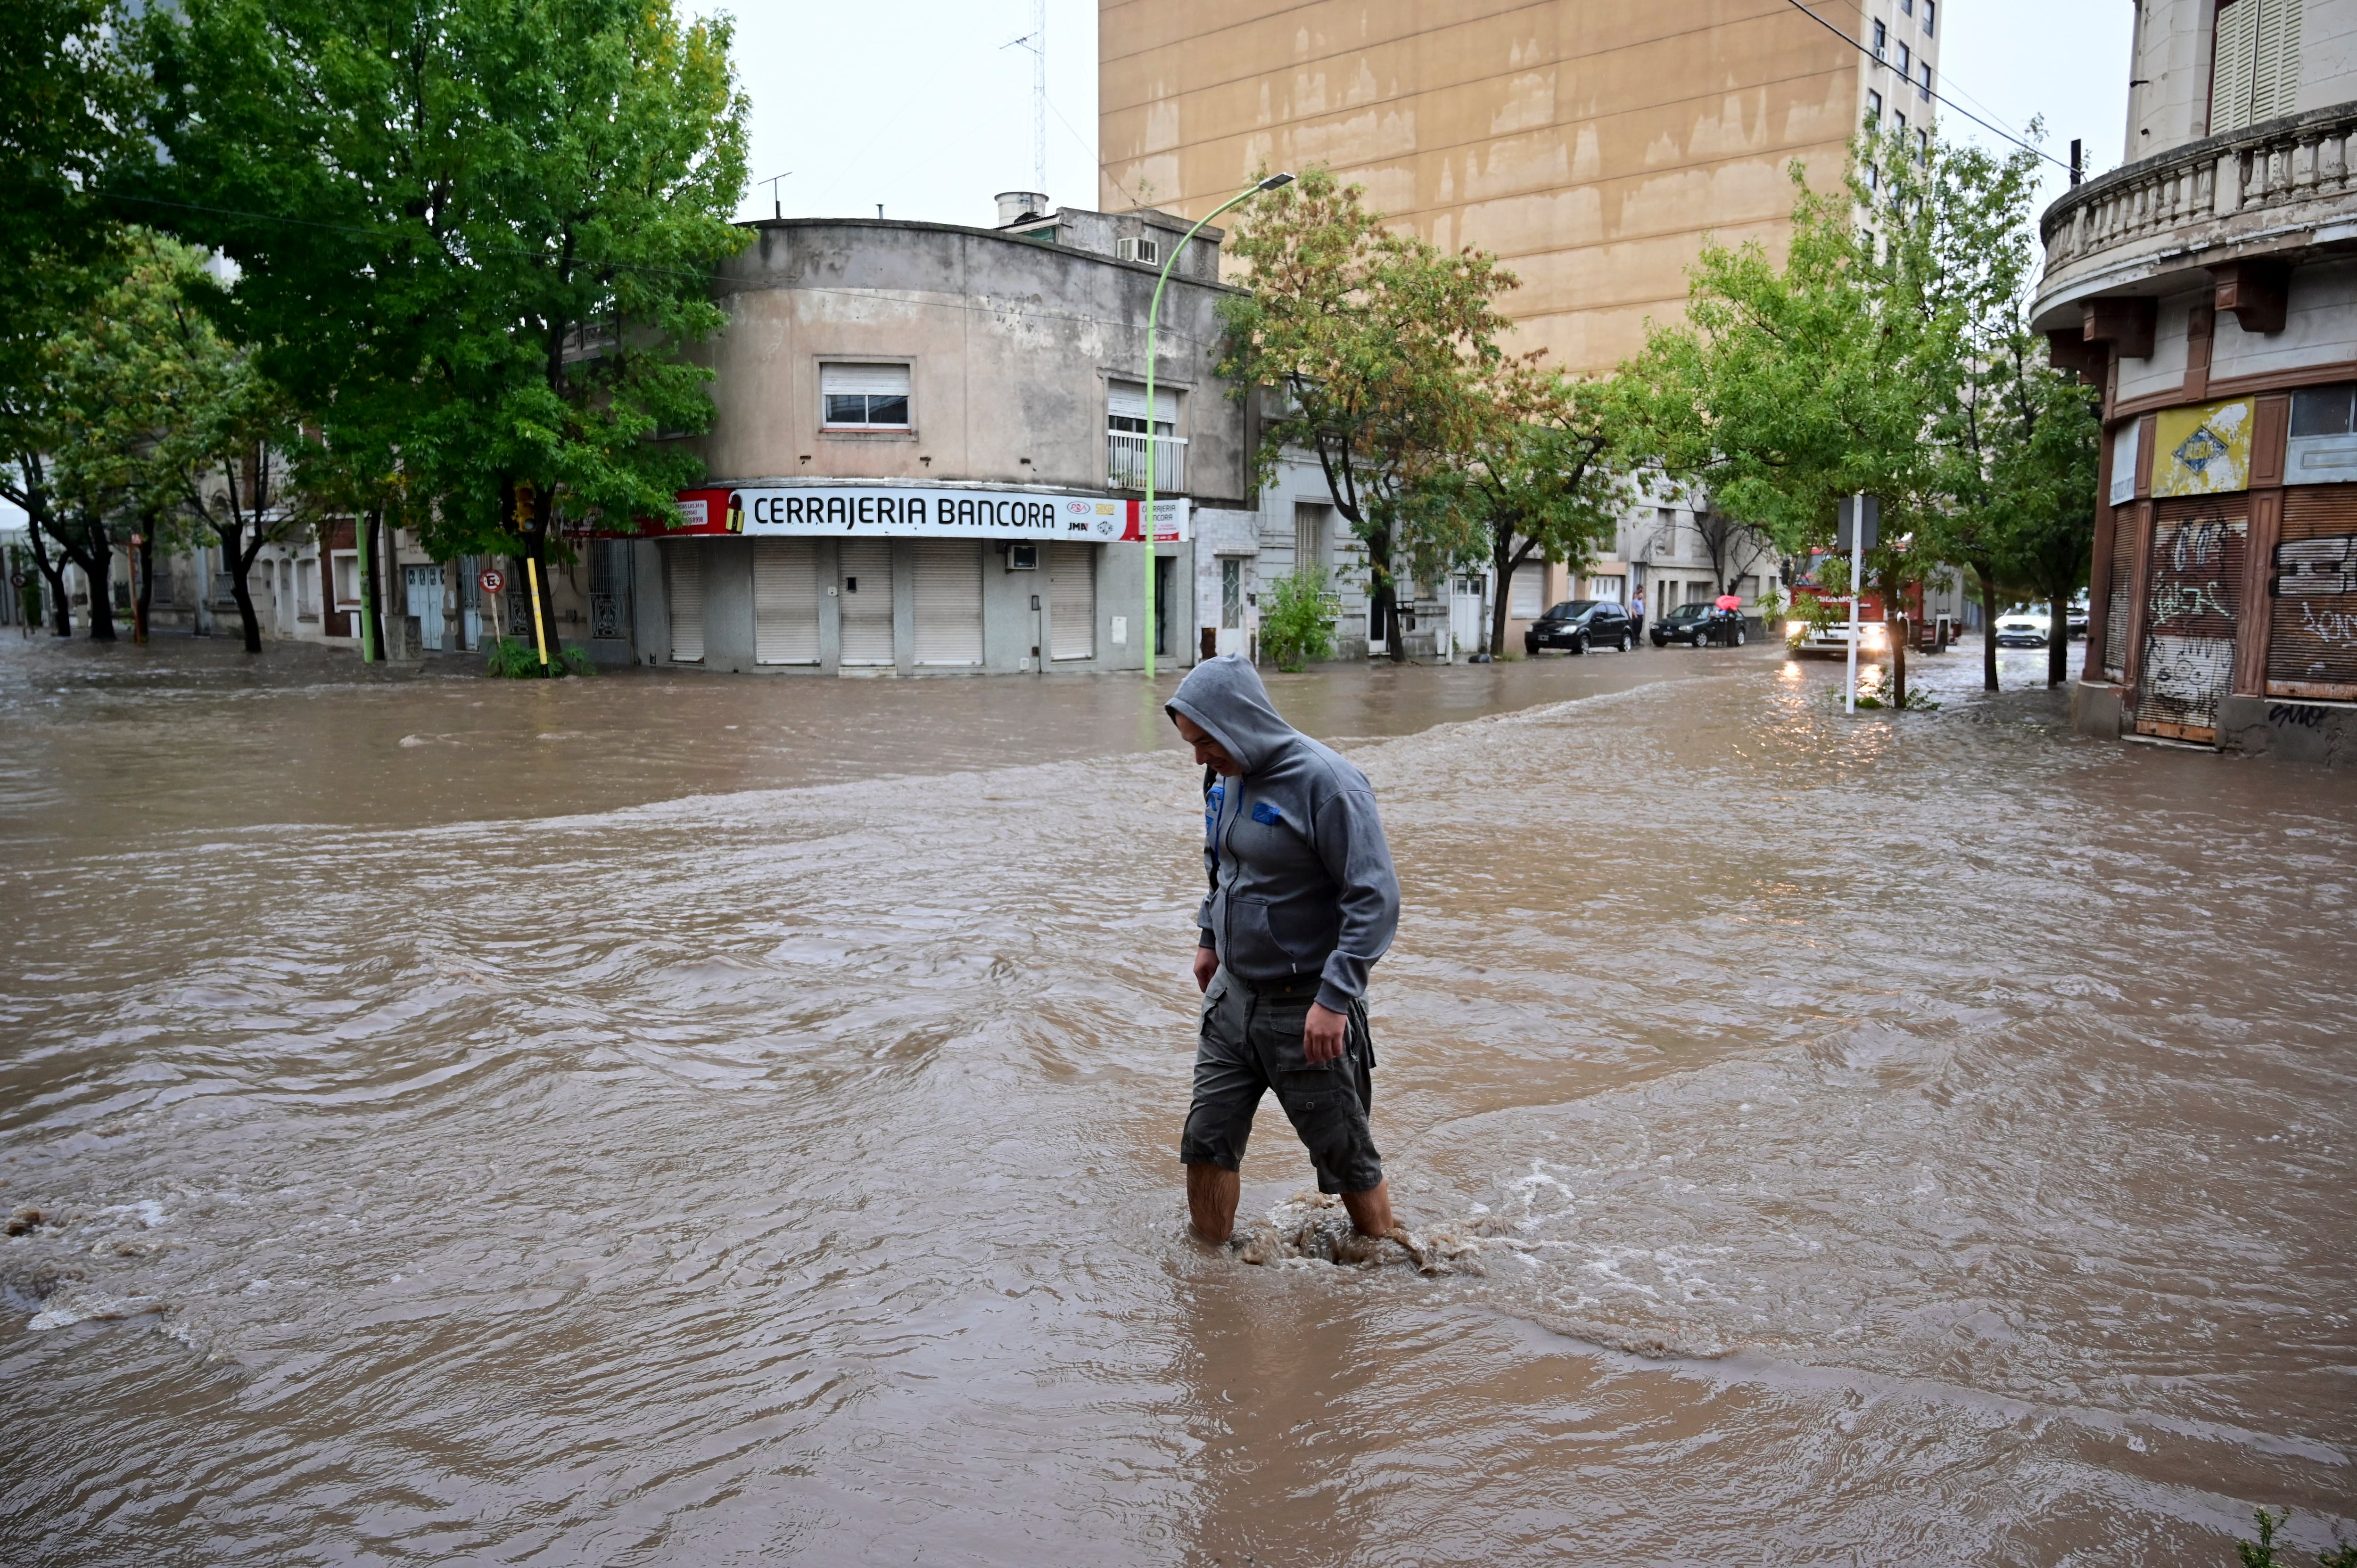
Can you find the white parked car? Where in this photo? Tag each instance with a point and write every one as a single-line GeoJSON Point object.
{"type": "Point", "coordinates": [2024, 628]}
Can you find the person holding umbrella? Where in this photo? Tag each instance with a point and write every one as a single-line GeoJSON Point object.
{"type": "Point", "coordinates": [1726, 629]}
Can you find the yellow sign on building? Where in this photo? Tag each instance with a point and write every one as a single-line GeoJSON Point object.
{"type": "Point", "coordinates": [2204, 451]}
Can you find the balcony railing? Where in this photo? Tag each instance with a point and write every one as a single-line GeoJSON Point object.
{"type": "Point", "coordinates": [1125, 462]}
{"type": "Point", "coordinates": [2220, 190]}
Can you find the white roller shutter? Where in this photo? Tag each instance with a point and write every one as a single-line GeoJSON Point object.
{"type": "Point", "coordinates": [1128, 399]}
{"type": "Point", "coordinates": [785, 601]}
{"type": "Point", "coordinates": [949, 601]}
{"type": "Point", "coordinates": [684, 587]}
{"type": "Point", "coordinates": [1073, 600]}
{"type": "Point", "coordinates": [866, 569]}
{"type": "Point", "coordinates": [876, 380]}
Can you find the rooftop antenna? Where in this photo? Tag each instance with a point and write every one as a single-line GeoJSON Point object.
{"type": "Point", "coordinates": [777, 205]}
{"type": "Point", "coordinates": [1036, 40]}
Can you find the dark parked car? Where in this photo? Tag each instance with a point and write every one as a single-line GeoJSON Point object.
{"type": "Point", "coordinates": [1578, 625]}
{"type": "Point", "coordinates": [1697, 624]}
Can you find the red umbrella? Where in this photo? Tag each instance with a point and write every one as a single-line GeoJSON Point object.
{"type": "Point", "coordinates": [1729, 602]}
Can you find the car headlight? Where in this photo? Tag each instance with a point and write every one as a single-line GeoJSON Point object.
{"type": "Point", "coordinates": [1795, 627]}
{"type": "Point", "coordinates": [1875, 636]}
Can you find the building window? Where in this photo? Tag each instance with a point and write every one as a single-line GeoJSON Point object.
{"type": "Point", "coordinates": [1924, 146]}
{"type": "Point", "coordinates": [864, 397]}
{"type": "Point", "coordinates": [1882, 42]}
{"type": "Point", "coordinates": [1125, 408]}
{"type": "Point", "coordinates": [2256, 53]}
{"type": "Point", "coordinates": [1931, 8]}
{"type": "Point", "coordinates": [1873, 178]}
{"type": "Point", "coordinates": [1874, 106]}
{"type": "Point", "coordinates": [1924, 84]}
{"type": "Point", "coordinates": [1906, 7]}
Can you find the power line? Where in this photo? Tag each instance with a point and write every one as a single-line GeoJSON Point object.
{"type": "Point", "coordinates": [1936, 97]}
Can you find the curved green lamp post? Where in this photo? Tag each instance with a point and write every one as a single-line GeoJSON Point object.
{"type": "Point", "coordinates": [1153, 324]}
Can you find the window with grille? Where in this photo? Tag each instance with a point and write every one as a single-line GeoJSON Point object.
{"type": "Point", "coordinates": [864, 397]}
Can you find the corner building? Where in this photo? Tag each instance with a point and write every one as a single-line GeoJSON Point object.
{"type": "Point", "coordinates": [928, 453]}
{"type": "Point", "coordinates": [2210, 287]}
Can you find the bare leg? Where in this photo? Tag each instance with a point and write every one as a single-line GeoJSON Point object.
{"type": "Point", "coordinates": [1371, 1211]}
{"type": "Point", "coordinates": [1211, 1195]}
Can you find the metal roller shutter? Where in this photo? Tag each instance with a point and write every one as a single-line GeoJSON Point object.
{"type": "Point", "coordinates": [684, 587]}
{"type": "Point", "coordinates": [949, 601]}
{"type": "Point", "coordinates": [2188, 641]}
{"type": "Point", "coordinates": [785, 601]}
{"type": "Point", "coordinates": [2312, 595]}
{"type": "Point", "coordinates": [2125, 523]}
{"type": "Point", "coordinates": [1072, 601]}
{"type": "Point", "coordinates": [866, 567]}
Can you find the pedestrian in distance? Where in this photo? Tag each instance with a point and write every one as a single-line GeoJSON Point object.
{"type": "Point", "coordinates": [1637, 618]}
{"type": "Point", "coordinates": [1302, 901]}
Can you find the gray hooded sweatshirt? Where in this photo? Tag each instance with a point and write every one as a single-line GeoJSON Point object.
{"type": "Point", "coordinates": [1301, 878]}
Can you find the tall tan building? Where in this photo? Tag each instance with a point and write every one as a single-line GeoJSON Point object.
{"type": "Point", "coordinates": [1591, 144]}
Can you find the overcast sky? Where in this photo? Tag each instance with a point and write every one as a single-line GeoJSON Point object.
{"type": "Point", "coordinates": [917, 104]}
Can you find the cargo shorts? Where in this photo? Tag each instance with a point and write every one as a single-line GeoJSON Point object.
{"type": "Point", "coordinates": [1251, 1041]}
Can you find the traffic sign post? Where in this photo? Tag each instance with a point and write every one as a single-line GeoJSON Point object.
{"type": "Point", "coordinates": [493, 582]}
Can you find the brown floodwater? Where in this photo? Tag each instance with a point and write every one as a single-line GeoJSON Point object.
{"type": "Point", "coordinates": [666, 1118]}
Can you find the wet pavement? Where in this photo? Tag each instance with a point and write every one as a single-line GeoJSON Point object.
{"type": "Point", "coordinates": [666, 1119]}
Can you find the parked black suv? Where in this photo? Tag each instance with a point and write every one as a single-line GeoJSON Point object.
{"type": "Point", "coordinates": [1580, 624]}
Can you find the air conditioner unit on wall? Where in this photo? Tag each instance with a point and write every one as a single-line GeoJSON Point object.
{"type": "Point", "coordinates": [1139, 249]}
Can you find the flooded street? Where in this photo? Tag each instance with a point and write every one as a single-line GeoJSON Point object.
{"type": "Point", "coordinates": [670, 1118]}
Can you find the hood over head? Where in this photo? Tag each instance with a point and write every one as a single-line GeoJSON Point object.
{"type": "Point", "coordinates": [1224, 695]}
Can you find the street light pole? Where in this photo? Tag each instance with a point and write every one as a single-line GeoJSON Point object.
{"type": "Point", "coordinates": [1153, 325]}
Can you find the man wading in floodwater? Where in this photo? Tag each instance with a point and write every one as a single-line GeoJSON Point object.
{"type": "Point", "coordinates": [1302, 903]}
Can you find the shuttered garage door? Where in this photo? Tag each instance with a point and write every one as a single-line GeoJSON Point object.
{"type": "Point", "coordinates": [949, 601]}
{"type": "Point", "coordinates": [1073, 600]}
{"type": "Point", "coordinates": [2313, 595]}
{"type": "Point", "coordinates": [785, 601]}
{"type": "Point", "coordinates": [2195, 589]}
{"type": "Point", "coordinates": [866, 568]}
{"type": "Point", "coordinates": [683, 569]}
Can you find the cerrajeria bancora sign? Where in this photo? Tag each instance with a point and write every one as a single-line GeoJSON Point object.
{"type": "Point", "coordinates": [908, 512]}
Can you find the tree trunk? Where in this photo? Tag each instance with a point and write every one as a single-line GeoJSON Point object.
{"type": "Point", "coordinates": [143, 590]}
{"type": "Point", "coordinates": [98, 568]}
{"type": "Point", "coordinates": [2058, 639]}
{"type": "Point", "coordinates": [1988, 627]}
{"type": "Point", "coordinates": [54, 574]}
{"type": "Point", "coordinates": [373, 633]}
{"type": "Point", "coordinates": [1505, 564]}
{"type": "Point", "coordinates": [1895, 621]}
{"type": "Point", "coordinates": [240, 561]}
{"type": "Point", "coordinates": [536, 544]}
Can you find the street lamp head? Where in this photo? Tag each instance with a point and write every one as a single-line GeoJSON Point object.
{"type": "Point", "coordinates": [1273, 181]}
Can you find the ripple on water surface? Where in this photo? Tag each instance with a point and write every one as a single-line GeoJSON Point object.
{"type": "Point", "coordinates": [1915, 1140]}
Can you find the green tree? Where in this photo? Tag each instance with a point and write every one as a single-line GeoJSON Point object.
{"type": "Point", "coordinates": [1368, 340]}
{"type": "Point", "coordinates": [1541, 482]}
{"type": "Point", "coordinates": [2008, 479]}
{"type": "Point", "coordinates": [1888, 354]}
{"type": "Point", "coordinates": [1296, 625]}
{"type": "Point", "coordinates": [473, 237]}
